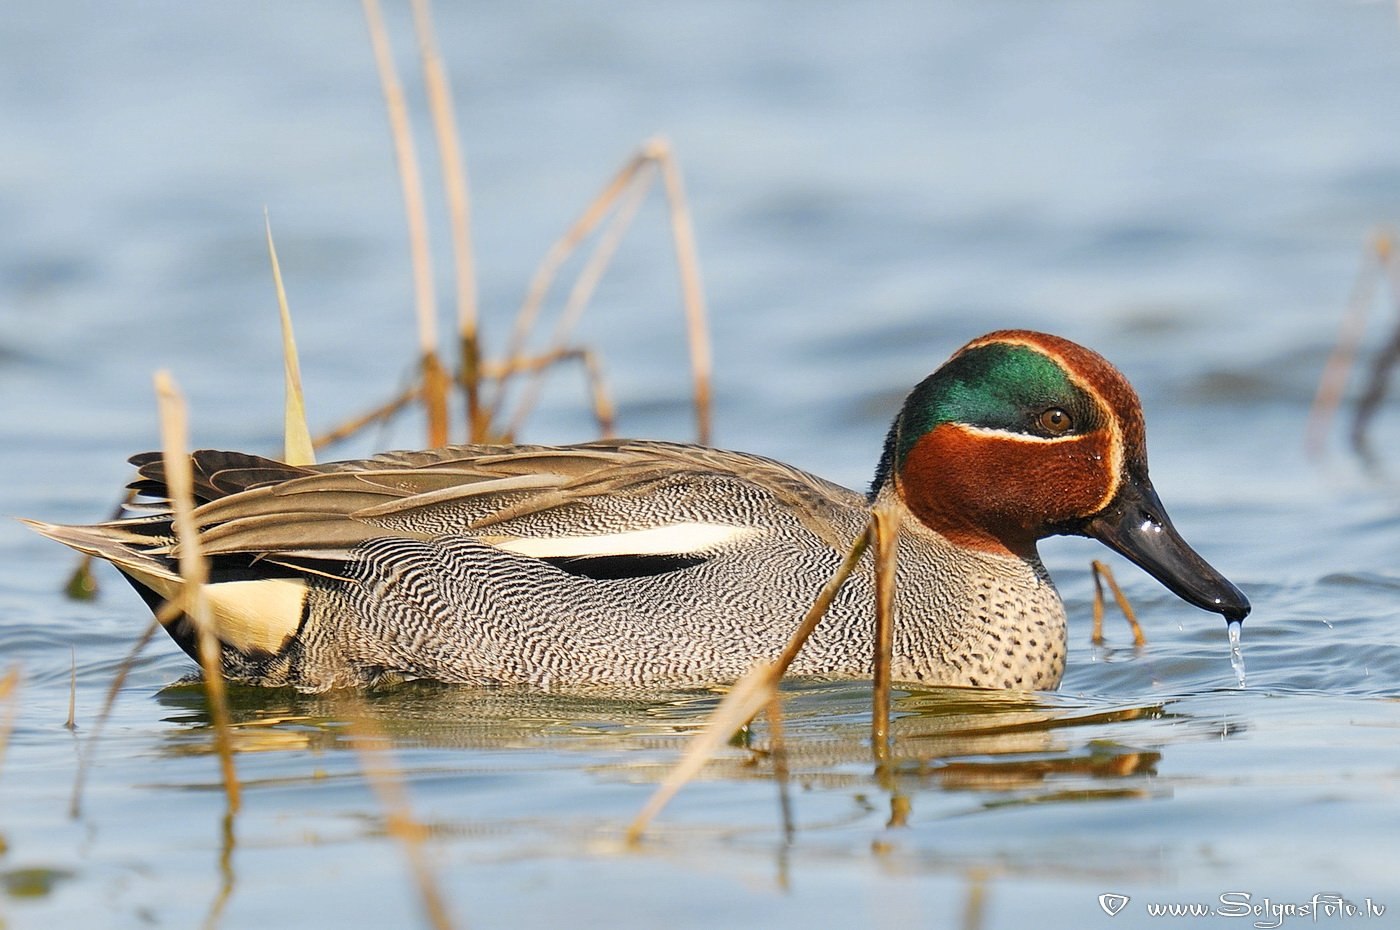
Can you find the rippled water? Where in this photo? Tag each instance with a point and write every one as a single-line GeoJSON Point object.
{"type": "Point", "coordinates": [1186, 187]}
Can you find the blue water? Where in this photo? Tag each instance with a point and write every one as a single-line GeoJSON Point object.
{"type": "Point", "coordinates": [1187, 187]}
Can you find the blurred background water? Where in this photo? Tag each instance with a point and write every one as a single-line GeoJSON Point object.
{"type": "Point", "coordinates": [1187, 187]}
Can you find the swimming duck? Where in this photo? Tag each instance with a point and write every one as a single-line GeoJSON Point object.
{"type": "Point", "coordinates": [653, 563]}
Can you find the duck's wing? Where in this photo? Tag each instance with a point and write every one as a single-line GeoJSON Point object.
{"type": "Point", "coordinates": [607, 498]}
{"type": "Point", "coordinates": [601, 510]}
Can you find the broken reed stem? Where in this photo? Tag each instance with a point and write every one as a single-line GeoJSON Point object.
{"type": "Point", "coordinates": [194, 570]}
{"type": "Point", "coordinates": [1332, 383]}
{"type": "Point", "coordinates": [747, 697]}
{"type": "Point", "coordinates": [377, 415]}
{"type": "Point", "coordinates": [72, 722]}
{"type": "Point", "coordinates": [386, 780]}
{"type": "Point", "coordinates": [1099, 569]}
{"type": "Point", "coordinates": [549, 266]}
{"type": "Point", "coordinates": [885, 527]}
{"type": "Point", "coordinates": [454, 182]}
{"type": "Point", "coordinates": [692, 291]}
{"type": "Point", "coordinates": [603, 411]}
{"type": "Point", "coordinates": [415, 211]}
{"type": "Point", "coordinates": [297, 447]}
{"type": "Point", "coordinates": [603, 251]}
{"type": "Point", "coordinates": [819, 607]}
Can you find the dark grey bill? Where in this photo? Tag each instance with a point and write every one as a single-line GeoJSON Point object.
{"type": "Point", "coordinates": [1136, 525]}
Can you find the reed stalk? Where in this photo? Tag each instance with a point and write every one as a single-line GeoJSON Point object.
{"type": "Point", "coordinates": [9, 686]}
{"type": "Point", "coordinates": [692, 291]}
{"type": "Point", "coordinates": [194, 570]}
{"type": "Point", "coordinates": [748, 696]}
{"type": "Point", "coordinates": [584, 286]}
{"type": "Point", "coordinates": [884, 524]}
{"type": "Point", "coordinates": [457, 191]}
{"type": "Point", "coordinates": [72, 722]}
{"type": "Point", "coordinates": [297, 447]}
{"type": "Point", "coordinates": [416, 214]}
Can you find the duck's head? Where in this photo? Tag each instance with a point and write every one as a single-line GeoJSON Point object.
{"type": "Point", "coordinates": [1023, 435]}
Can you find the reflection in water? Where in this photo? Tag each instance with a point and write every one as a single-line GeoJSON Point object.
{"type": "Point", "coordinates": [957, 753]}
{"type": "Point", "coordinates": [227, 843]}
{"type": "Point", "coordinates": [1008, 747]}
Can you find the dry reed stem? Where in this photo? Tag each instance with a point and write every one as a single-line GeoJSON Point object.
{"type": "Point", "coordinates": [415, 211]}
{"type": "Point", "coordinates": [1101, 570]}
{"type": "Point", "coordinates": [654, 152]}
{"type": "Point", "coordinates": [410, 176]}
{"type": "Point", "coordinates": [454, 182]}
{"type": "Point", "coordinates": [824, 598]}
{"type": "Point", "coordinates": [386, 780]}
{"type": "Point", "coordinates": [603, 411]}
{"type": "Point", "coordinates": [72, 722]}
{"type": "Point", "coordinates": [885, 527]}
{"type": "Point", "coordinates": [297, 447]}
{"type": "Point", "coordinates": [584, 286]}
{"type": "Point", "coordinates": [692, 292]}
{"type": "Point", "coordinates": [553, 260]}
{"type": "Point", "coordinates": [437, 385]}
{"type": "Point", "coordinates": [194, 570]}
{"type": "Point", "coordinates": [1332, 383]}
{"type": "Point", "coordinates": [377, 415]}
{"type": "Point", "coordinates": [1378, 382]}
{"type": "Point", "coordinates": [9, 684]}
{"type": "Point", "coordinates": [747, 697]}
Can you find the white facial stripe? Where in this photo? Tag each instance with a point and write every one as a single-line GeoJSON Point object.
{"type": "Point", "coordinates": [1017, 437]}
{"type": "Point", "coordinates": [673, 539]}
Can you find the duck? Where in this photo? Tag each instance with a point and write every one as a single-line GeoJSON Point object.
{"type": "Point", "coordinates": [633, 563]}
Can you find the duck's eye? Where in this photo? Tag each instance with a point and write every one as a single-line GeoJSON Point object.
{"type": "Point", "coordinates": [1055, 421]}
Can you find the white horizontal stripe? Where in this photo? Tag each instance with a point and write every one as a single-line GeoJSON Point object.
{"type": "Point", "coordinates": [673, 539]}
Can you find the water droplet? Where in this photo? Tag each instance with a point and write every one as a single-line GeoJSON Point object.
{"type": "Point", "coordinates": [1236, 655]}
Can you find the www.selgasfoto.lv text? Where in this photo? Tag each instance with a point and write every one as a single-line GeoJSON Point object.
{"type": "Point", "coordinates": [1268, 914]}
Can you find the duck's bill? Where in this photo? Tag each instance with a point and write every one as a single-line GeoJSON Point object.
{"type": "Point", "coordinates": [1136, 525]}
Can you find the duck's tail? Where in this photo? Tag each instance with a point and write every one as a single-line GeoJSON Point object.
{"type": "Point", "coordinates": [254, 615]}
